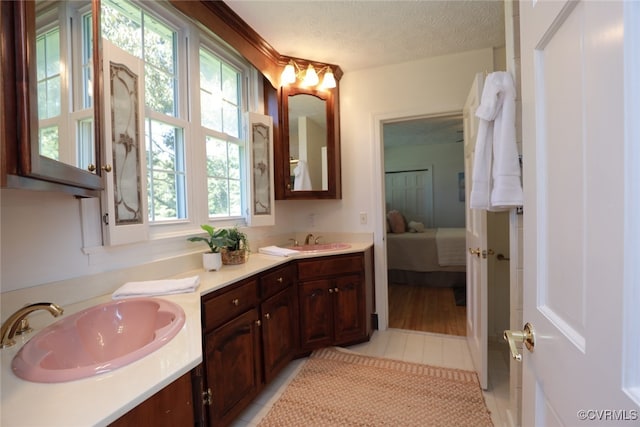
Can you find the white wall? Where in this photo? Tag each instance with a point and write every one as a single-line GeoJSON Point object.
{"type": "Point", "coordinates": [41, 232]}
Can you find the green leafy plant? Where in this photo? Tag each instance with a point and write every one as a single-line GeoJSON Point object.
{"type": "Point", "coordinates": [217, 238]}
{"type": "Point", "coordinates": [236, 239]}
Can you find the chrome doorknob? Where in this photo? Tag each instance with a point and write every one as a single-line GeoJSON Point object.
{"type": "Point", "coordinates": [527, 336]}
{"type": "Point", "coordinates": [475, 252]}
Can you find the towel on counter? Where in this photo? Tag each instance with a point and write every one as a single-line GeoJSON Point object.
{"type": "Point", "coordinates": [302, 180]}
{"type": "Point", "coordinates": [277, 251]}
{"type": "Point", "coordinates": [157, 287]}
{"type": "Point", "coordinates": [496, 167]}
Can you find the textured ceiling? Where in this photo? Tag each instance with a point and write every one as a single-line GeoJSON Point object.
{"type": "Point", "coordinates": [364, 34]}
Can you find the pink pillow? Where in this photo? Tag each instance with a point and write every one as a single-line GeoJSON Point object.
{"type": "Point", "coordinates": [397, 222]}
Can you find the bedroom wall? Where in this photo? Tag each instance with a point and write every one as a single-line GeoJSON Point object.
{"type": "Point", "coordinates": [447, 161]}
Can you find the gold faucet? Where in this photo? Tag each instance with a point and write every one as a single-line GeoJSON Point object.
{"type": "Point", "coordinates": [19, 320]}
{"type": "Point", "coordinates": [307, 239]}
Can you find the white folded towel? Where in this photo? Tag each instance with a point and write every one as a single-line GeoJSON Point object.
{"type": "Point", "coordinates": [277, 251]}
{"type": "Point", "coordinates": [157, 287]}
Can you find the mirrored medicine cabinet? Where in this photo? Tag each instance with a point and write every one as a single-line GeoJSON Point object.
{"type": "Point", "coordinates": [55, 98]}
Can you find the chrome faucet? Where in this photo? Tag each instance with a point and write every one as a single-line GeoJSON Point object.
{"type": "Point", "coordinates": [17, 322]}
{"type": "Point", "coordinates": [307, 240]}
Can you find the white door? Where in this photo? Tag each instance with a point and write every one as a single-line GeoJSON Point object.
{"type": "Point", "coordinates": [476, 224]}
{"type": "Point", "coordinates": [579, 247]}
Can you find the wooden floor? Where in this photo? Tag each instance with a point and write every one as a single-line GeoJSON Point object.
{"type": "Point", "coordinates": [427, 309]}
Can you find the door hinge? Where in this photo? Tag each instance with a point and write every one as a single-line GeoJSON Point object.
{"type": "Point", "coordinates": [105, 219]}
{"type": "Point", "coordinates": [207, 397]}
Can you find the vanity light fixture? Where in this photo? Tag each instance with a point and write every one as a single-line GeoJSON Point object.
{"type": "Point", "coordinates": [308, 77]}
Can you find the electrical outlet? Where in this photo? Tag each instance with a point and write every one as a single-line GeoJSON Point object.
{"type": "Point", "coordinates": [363, 218]}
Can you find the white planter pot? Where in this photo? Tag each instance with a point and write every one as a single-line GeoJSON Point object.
{"type": "Point", "coordinates": [211, 261]}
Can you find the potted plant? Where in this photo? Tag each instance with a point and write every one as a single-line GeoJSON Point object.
{"type": "Point", "coordinates": [236, 250]}
{"type": "Point", "coordinates": [212, 260]}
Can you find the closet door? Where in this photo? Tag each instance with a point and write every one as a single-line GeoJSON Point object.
{"type": "Point", "coordinates": [411, 192]}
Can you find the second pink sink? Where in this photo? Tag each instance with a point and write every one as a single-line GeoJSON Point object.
{"type": "Point", "coordinates": [99, 339]}
{"type": "Point", "coordinates": [321, 247]}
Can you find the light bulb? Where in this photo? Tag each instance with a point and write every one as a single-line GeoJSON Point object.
{"type": "Point", "coordinates": [329, 81]}
{"type": "Point", "coordinates": [310, 77]}
{"type": "Point", "coordinates": [288, 74]}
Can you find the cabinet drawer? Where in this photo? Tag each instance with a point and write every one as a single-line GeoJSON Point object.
{"type": "Point", "coordinates": [330, 266]}
{"type": "Point", "coordinates": [220, 308]}
{"type": "Point", "coordinates": [276, 280]}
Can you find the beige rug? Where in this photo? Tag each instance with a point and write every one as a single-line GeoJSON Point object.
{"type": "Point", "coordinates": [340, 388]}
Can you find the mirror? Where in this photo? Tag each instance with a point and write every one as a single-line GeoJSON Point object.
{"type": "Point", "coordinates": [59, 103]}
{"type": "Point", "coordinates": [308, 142]}
{"type": "Point", "coordinates": [311, 163]}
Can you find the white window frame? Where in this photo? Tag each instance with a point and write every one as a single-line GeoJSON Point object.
{"type": "Point", "coordinates": [189, 38]}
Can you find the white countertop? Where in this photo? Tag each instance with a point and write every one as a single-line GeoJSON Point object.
{"type": "Point", "coordinates": [102, 399]}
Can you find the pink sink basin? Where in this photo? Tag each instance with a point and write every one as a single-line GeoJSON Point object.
{"type": "Point", "coordinates": [98, 340]}
{"type": "Point", "coordinates": [321, 247]}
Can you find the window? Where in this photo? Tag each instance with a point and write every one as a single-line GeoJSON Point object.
{"type": "Point", "coordinates": [156, 43]}
{"type": "Point", "coordinates": [194, 105]}
{"type": "Point", "coordinates": [220, 118]}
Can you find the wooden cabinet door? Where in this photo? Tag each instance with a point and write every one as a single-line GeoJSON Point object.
{"type": "Point", "coordinates": [232, 358]}
{"type": "Point", "coordinates": [316, 314]}
{"type": "Point", "coordinates": [171, 406]}
{"type": "Point", "coordinates": [349, 309]}
{"type": "Point", "coordinates": [278, 339]}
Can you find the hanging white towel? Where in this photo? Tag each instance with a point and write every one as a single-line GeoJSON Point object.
{"type": "Point", "coordinates": [495, 181]}
{"type": "Point", "coordinates": [157, 287]}
{"type": "Point", "coordinates": [301, 180]}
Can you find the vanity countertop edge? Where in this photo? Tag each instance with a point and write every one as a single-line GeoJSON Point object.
{"type": "Point", "coordinates": [104, 398]}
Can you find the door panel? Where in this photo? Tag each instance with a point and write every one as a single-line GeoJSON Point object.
{"type": "Point", "coordinates": [476, 225]}
{"type": "Point", "coordinates": [573, 99]}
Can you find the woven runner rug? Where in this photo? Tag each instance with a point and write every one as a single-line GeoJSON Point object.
{"type": "Point", "coordinates": [337, 387]}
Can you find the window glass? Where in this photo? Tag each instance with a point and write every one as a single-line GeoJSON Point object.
{"type": "Point", "coordinates": [220, 95]}
{"type": "Point", "coordinates": [166, 171]}
{"type": "Point", "coordinates": [48, 71]}
{"type": "Point", "coordinates": [223, 178]}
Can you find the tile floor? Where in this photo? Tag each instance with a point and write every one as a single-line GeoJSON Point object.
{"type": "Point", "coordinates": [421, 347]}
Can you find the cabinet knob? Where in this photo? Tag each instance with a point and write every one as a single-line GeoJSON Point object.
{"type": "Point", "coordinates": [336, 290]}
{"type": "Point", "coordinates": [279, 280]}
{"type": "Point", "coordinates": [258, 322]}
{"type": "Point", "coordinates": [267, 316]}
{"type": "Point", "coordinates": [330, 290]}
{"type": "Point", "coordinates": [106, 168]}
{"type": "Point", "coordinates": [91, 167]}
{"type": "Point", "coordinates": [235, 301]}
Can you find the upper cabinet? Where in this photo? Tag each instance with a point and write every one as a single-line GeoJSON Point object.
{"type": "Point", "coordinates": [50, 96]}
{"type": "Point", "coordinates": [307, 159]}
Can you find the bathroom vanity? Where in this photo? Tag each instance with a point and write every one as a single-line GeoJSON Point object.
{"type": "Point", "coordinates": [243, 325]}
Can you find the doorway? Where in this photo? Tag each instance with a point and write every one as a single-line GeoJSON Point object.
{"type": "Point", "coordinates": [423, 162]}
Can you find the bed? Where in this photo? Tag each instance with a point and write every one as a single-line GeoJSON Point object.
{"type": "Point", "coordinates": [436, 256]}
